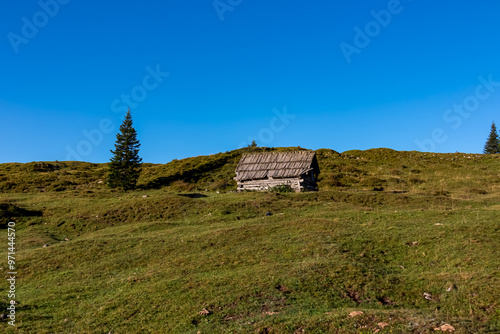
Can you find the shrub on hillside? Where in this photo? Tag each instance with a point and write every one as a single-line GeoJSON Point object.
{"type": "Point", "coordinates": [6, 186]}
{"type": "Point", "coordinates": [350, 169]}
{"type": "Point", "coordinates": [331, 180]}
{"type": "Point", "coordinates": [219, 185]}
{"type": "Point", "coordinates": [61, 185]}
{"type": "Point", "coordinates": [43, 166]}
{"type": "Point", "coordinates": [182, 186]}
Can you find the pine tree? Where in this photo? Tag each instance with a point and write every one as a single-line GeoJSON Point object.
{"type": "Point", "coordinates": [125, 165]}
{"type": "Point", "coordinates": [493, 143]}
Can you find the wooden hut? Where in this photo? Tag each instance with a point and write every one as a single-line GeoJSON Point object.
{"type": "Point", "coordinates": [262, 171]}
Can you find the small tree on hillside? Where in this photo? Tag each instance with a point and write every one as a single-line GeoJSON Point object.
{"type": "Point", "coordinates": [125, 165]}
{"type": "Point", "coordinates": [493, 143]}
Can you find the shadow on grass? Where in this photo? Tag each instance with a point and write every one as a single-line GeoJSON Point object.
{"type": "Point", "coordinates": [8, 211]}
{"type": "Point", "coordinates": [191, 176]}
{"type": "Point", "coordinates": [193, 195]}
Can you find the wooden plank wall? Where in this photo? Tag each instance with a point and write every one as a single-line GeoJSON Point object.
{"type": "Point", "coordinates": [296, 184]}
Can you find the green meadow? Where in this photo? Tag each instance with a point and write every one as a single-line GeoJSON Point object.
{"type": "Point", "coordinates": [409, 239]}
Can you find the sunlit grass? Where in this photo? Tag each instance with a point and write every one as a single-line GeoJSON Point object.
{"type": "Point", "coordinates": [162, 260]}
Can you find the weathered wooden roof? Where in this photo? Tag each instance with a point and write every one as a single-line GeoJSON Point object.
{"type": "Point", "coordinates": [276, 165]}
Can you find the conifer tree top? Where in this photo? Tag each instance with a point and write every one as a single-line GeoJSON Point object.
{"type": "Point", "coordinates": [125, 164]}
{"type": "Point", "coordinates": [492, 145]}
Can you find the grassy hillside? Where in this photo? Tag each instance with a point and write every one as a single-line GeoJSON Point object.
{"type": "Point", "coordinates": [376, 169]}
{"type": "Point", "coordinates": [185, 254]}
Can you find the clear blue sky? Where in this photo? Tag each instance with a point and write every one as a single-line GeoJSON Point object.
{"type": "Point", "coordinates": [353, 74]}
